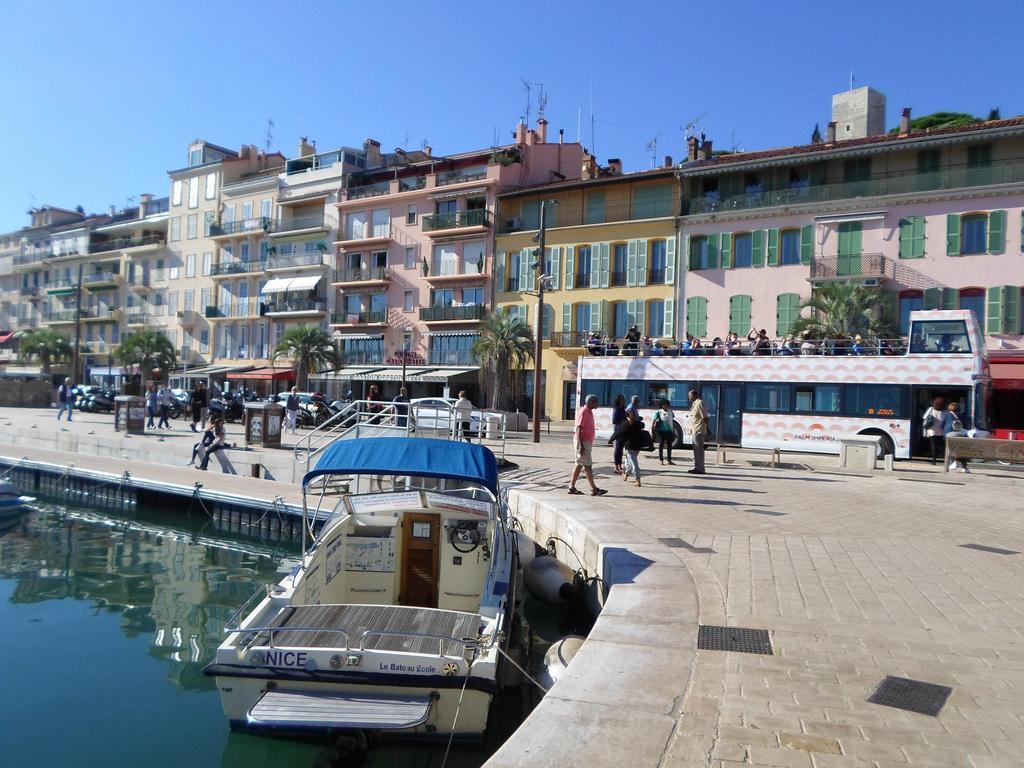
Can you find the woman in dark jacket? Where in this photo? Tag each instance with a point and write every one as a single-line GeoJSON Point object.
{"type": "Point", "coordinates": [618, 418]}
{"type": "Point", "coordinates": [630, 434]}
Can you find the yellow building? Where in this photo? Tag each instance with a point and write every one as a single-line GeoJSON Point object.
{"type": "Point", "coordinates": [611, 262]}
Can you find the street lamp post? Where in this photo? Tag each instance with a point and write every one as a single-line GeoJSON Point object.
{"type": "Point", "coordinates": [78, 326]}
{"type": "Point", "coordinates": [538, 271]}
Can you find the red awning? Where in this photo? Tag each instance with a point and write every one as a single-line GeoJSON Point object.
{"type": "Point", "coordinates": [5, 337]}
{"type": "Point", "coordinates": [1007, 373]}
{"type": "Point", "coordinates": [263, 374]}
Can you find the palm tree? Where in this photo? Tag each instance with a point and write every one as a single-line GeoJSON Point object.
{"type": "Point", "coordinates": [47, 345]}
{"type": "Point", "coordinates": [844, 309]}
{"type": "Point", "coordinates": [148, 350]}
{"type": "Point", "coordinates": [309, 348]}
{"type": "Point", "coordinates": [504, 347]}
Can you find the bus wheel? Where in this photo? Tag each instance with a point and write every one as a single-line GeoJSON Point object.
{"type": "Point", "coordinates": [677, 431]}
{"type": "Point", "coordinates": [885, 444]}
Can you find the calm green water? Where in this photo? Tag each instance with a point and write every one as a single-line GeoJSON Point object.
{"type": "Point", "coordinates": [105, 626]}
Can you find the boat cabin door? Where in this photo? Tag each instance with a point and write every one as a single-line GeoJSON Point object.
{"type": "Point", "coordinates": [420, 557]}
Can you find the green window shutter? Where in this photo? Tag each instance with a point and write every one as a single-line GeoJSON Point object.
{"type": "Point", "coordinates": [739, 314]}
{"type": "Point", "coordinates": [950, 298]}
{"type": "Point", "coordinates": [932, 296]}
{"type": "Point", "coordinates": [953, 234]}
{"type": "Point", "coordinates": [595, 265]}
{"type": "Point", "coordinates": [727, 250]}
{"type": "Point", "coordinates": [566, 317]}
{"type": "Point", "coordinates": [787, 310]}
{"type": "Point", "coordinates": [669, 329]}
{"type": "Point", "coordinates": [906, 236]}
{"type": "Point", "coordinates": [641, 262]}
{"type": "Point", "coordinates": [670, 260]}
{"type": "Point", "coordinates": [556, 267]}
{"type": "Point", "coordinates": [570, 267]}
{"type": "Point", "coordinates": [604, 315]}
{"type": "Point", "coordinates": [995, 309]}
{"type": "Point", "coordinates": [605, 267]}
{"type": "Point", "coordinates": [918, 237]}
{"type": "Point", "coordinates": [525, 270]}
{"type": "Point", "coordinates": [713, 241]}
{"type": "Point", "coordinates": [773, 247]}
{"type": "Point", "coordinates": [697, 316]}
{"type": "Point", "coordinates": [631, 248]}
{"type": "Point", "coordinates": [997, 232]}
{"type": "Point", "coordinates": [691, 262]}
{"type": "Point", "coordinates": [499, 271]}
{"type": "Point", "coordinates": [1011, 309]}
{"type": "Point", "coordinates": [806, 244]}
{"type": "Point", "coordinates": [595, 208]}
{"type": "Point", "coordinates": [757, 248]}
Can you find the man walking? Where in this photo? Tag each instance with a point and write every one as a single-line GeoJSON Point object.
{"type": "Point", "coordinates": [65, 399]}
{"type": "Point", "coordinates": [699, 430]}
{"type": "Point", "coordinates": [401, 402]}
{"type": "Point", "coordinates": [583, 444]}
{"type": "Point", "coordinates": [198, 404]}
{"type": "Point", "coordinates": [164, 401]}
{"type": "Point", "coordinates": [291, 410]}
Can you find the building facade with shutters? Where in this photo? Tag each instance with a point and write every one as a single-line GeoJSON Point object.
{"type": "Point", "coordinates": [611, 258]}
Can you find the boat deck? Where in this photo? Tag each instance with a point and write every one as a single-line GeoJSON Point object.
{"type": "Point", "coordinates": [314, 626]}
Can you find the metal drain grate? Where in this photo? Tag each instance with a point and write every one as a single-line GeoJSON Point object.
{"type": "Point", "coordinates": [766, 512]}
{"type": "Point", "coordinates": [735, 639]}
{"type": "Point", "coordinates": [993, 550]}
{"type": "Point", "coordinates": [674, 542]}
{"type": "Point", "coordinates": [911, 695]}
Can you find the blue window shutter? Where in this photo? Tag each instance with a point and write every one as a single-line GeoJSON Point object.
{"type": "Point", "coordinates": [670, 260]}
{"type": "Point", "coordinates": [641, 262]}
{"type": "Point", "coordinates": [566, 317]}
{"type": "Point", "coordinates": [570, 267]}
{"type": "Point", "coordinates": [669, 323]}
{"type": "Point", "coordinates": [556, 267]}
{"type": "Point", "coordinates": [631, 249]}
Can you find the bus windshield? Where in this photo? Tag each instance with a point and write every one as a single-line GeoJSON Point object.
{"type": "Point", "coordinates": [939, 337]}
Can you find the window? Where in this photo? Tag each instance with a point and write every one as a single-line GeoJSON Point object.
{"type": "Point", "coordinates": [189, 295]}
{"type": "Point", "coordinates": [211, 186]}
{"type": "Point", "coordinates": [790, 247]}
{"type": "Point", "coordinates": [787, 310]}
{"type": "Point", "coordinates": [193, 193]}
{"type": "Point", "coordinates": [229, 213]}
{"type": "Point", "coordinates": [739, 314]}
{"type": "Point", "coordinates": [583, 266]}
{"type": "Point", "coordinates": [595, 208]}
{"type": "Point", "coordinates": [816, 398]}
{"type": "Point", "coordinates": [175, 229]}
{"type": "Point", "coordinates": [582, 317]}
{"type": "Point", "coordinates": [407, 301]}
{"type": "Point", "coordinates": [884, 400]}
{"type": "Point", "coordinates": [378, 260]}
{"type": "Point", "coordinates": [697, 316]}
{"type": "Point", "coordinates": [454, 349]}
{"type": "Point", "coordinates": [974, 300]}
{"type": "Point", "coordinates": [974, 234]}
{"type": "Point", "coordinates": [353, 304]}
{"type": "Point", "coordinates": [442, 297]}
{"type": "Point", "coordinates": [356, 225]}
{"type": "Point", "coordinates": [247, 214]}
{"type": "Point", "coordinates": [176, 193]}
{"type": "Point", "coordinates": [207, 223]}
{"type": "Point", "coordinates": [619, 265]}
{"type": "Point", "coordinates": [266, 208]}
{"type": "Point", "coordinates": [912, 237]}
{"type": "Point", "coordinates": [548, 321]}
{"type": "Point", "coordinates": [857, 169]}
{"type": "Point", "coordinates": [190, 265]}
{"type": "Point", "coordinates": [979, 156]}
{"type": "Point", "coordinates": [473, 258]}
{"type": "Point", "coordinates": [768, 398]}
{"type": "Point", "coordinates": [472, 296]}
{"type": "Point", "coordinates": [656, 275]}
{"type": "Point", "coordinates": [656, 318]}
{"type": "Point", "coordinates": [928, 161]}
{"type": "Point", "coordinates": [243, 251]}
{"type": "Point", "coordinates": [193, 220]}
{"type": "Point", "coordinates": [410, 214]}
{"type": "Point", "coordinates": [195, 156]}
{"type": "Point", "coordinates": [381, 222]}
{"type": "Point", "coordinates": [207, 263]}
{"type": "Point", "coordinates": [410, 257]}
{"type": "Point", "coordinates": [700, 255]}
{"type": "Point", "coordinates": [910, 301]}
{"type": "Point", "coordinates": [512, 270]}
{"type": "Point", "coordinates": [445, 260]}
{"type": "Point", "coordinates": [743, 251]}
{"type": "Point", "coordinates": [652, 201]}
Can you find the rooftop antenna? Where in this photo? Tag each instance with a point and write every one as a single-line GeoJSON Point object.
{"type": "Point", "coordinates": [542, 101]}
{"type": "Point", "coordinates": [735, 144]}
{"type": "Point", "coordinates": [526, 85]}
{"type": "Point", "coordinates": [851, 79]}
{"type": "Point", "coordinates": [652, 147]}
{"type": "Point", "coordinates": [688, 128]}
{"type": "Point", "coordinates": [269, 133]}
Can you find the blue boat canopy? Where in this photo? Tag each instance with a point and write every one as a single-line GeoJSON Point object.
{"type": "Point", "coordinates": [414, 456]}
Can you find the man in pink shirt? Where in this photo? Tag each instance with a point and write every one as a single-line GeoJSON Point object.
{"type": "Point", "coordinates": [583, 444]}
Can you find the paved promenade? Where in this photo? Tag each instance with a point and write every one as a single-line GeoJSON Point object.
{"type": "Point", "coordinates": [854, 576]}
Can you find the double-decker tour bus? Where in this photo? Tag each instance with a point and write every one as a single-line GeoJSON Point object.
{"type": "Point", "coordinates": [807, 402]}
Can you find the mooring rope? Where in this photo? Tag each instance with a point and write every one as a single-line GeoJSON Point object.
{"type": "Point", "coordinates": [458, 709]}
{"type": "Point", "coordinates": [196, 497]}
{"type": "Point", "coordinates": [13, 466]}
{"type": "Point", "coordinates": [525, 673]}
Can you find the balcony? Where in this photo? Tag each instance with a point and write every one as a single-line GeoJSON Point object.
{"type": "Point", "coordinates": [253, 267]}
{"type": "Point", "coordinates": [59, 316]}
{"type": "Point", "coordinates": [370, 236]}
{"type": "Point", "coordinates": [286, 306]}
{"type": "Point", "coordinates": [123, 244]}
{"type": "Point", "coordinates": [470, 312]}
{"type": "Point", "coordinates": [569, 338]}
{"type": "Point", "coordinates": [619, 278]}
{"type": "Point", "coordinates": [30, 259]}
{"type": "Point", "coordinates": [458, 177]}
{"type": "Point", "coordinates": [476, 220]}
{"type": "Point", "coordinates": [138, 318]}
{"type": "Point", "coordinates": [409, 185]}
{"type": "Point", "coordinates": [368, 190]}
{"type": "Point", "coordinates": [296, 260]}
{"type": "Point", "coordinates": [188, 317]}
{"type": "Point", "coordinates": [851, 267]}
{"type": "Point", "coordinates": [141, 282]}
{"type": "Point", "coordinates": [450, 272]}
{"type": "Point", "coordinates": [946, 179]}
{"type": "Point", "coordinates": [361, 358]}
{"type": "Point", "coordinates": [360, 318]}
{"type": "Point", "coordinates": [64, 287]}
{"type": "Point", "coordinates": [31, 292]}
{"type": "Point", "coordinates": [214, 312]}
{"type": "Point", "coordinates": [299, 223]}
{"type": "Point", "coordinates": [362, 275]}
{"type": "Point", "coordinates": [99, 280]}
{"type": "Point", "coordinates": [28, 321]}
{"type": "Point", "coordinates": [101, 314]}
{"type": "Point", "coordinates": [243, 227]}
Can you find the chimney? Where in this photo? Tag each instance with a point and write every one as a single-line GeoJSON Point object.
{"type": "Point", "coordinates": [520, 134]}
{"type": "Point", "coordinates": [705, 149]}
{"type": "Point", "coordinates": [542, 131]}
{"type": "Point", "coordinates": [830, 132]}
{"type": "Point", "coordinates": [428, 151]}
{"type": "Point", "coordinates": [305, 148]}
{"type": "Point", "coordinates": [373, 156]}
{"type": "Point", "coordinates": [144, 200]}
{"type": "Point", "coordinates": [561, 135]}
{"type": "Point", "coordinates": [691, 148]}
{"type": "Point", "coordinates": [905, 122]}
{"type": "Point", "coordinates": [668, 161]}
{"type": "Point", "coordinates": [113, 210]}
{"type": "Point", "coordinates": [614, 166]}
{"type": "Point", "coordinates": [589, 168]}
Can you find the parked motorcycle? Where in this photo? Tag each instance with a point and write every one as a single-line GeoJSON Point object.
{"type": "Point", "coordinates": [98, 401]}
{"type": "Point", "coordinates": [231, 408]}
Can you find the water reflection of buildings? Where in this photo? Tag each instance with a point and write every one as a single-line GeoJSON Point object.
{"type": "Point", "coordinates": [176, 585]}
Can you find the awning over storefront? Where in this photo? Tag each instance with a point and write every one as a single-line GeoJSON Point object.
{"type": "Point", "coordinates": [1008, 372]}
{"type": "Point", "coordinates": [107, 371]}
{"type": "Point", "coordinates": [282, 284]}
{"type": "Point", "coordinates": [204, 371]}
{"type": "Point", "coordinates": [442, 375]}
{"type": "Point", "coordinates": [263, 374]}
{"type": "Point", "coordinates": [5, 337]}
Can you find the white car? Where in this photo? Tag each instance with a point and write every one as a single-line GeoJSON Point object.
{"type": "Point", "coordinates": [438, 413]}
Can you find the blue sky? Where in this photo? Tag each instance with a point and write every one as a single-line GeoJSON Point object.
{"type": "Point", "coordinates": [102, 98]}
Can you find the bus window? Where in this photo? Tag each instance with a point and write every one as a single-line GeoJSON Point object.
{"type": "Point", "coordinates": [673, 391]}
{"type": "Point", "coordinates": [768, 398]}
{"type": "Point", "coordinates": [882, 400]}
{"type": "Point", "coordinates": [626, 388]}
{"type": "Point", "coordinates": [939, 337]}
{"type": "Point", "coordinates": [820, 398]}
{"type": "Point", "coordinates": [595, 387]}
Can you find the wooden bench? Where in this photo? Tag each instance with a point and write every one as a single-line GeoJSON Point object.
{"type": "Point", "coordinates": [983, 448]}
{"type": "Point", "coordinates": [720, 452]}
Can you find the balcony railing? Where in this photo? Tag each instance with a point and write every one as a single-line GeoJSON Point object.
{"type": "Point", "coordinates": [125, 243]}
{"type": "Point", "coordinates": [61, 316]}
{"type": "Point", "coordinates": [97, 278]}
{"type": "Point", "coordinates": [478, 217]}
{"type": "Point", "coordinates": [29, 291]}
{"type": "Point", "coordinates": [237, 267]}
{"type": "Point", "coordinates": [279, 305]}
{"type": "Point", "coordinates": [301, 222]}
{"type": "Point", "coordinates": [369, 190]}
{"type": "Point", "coordinates": [304, 259]}
{"type": "Point", "coordinates": [950, 178]}
{"type": "Point", "coordinates": [138, 318]}
{"type": "Point", "coordinates": [62, 285]}
{"type": "Point", "coordinates": [212, 311]}
{"type": "Point", "coordinates": [361, 358]}
{"type": "Point", "coordinates": [23, 259]}
{"type": "Point", "coordinates": [359, 274]}
{"type": "Point", "coordinates": [851, 267]}
{"type": "Point", "coordinates": [407, 185]}
{"type": "Point", "coordinates": [255, 226]}
{"type": "Point", "coordinates": [569, 338]}
{"type": "Point", "coordinates": [457, 177]}
{"type": "Point", "coordinates": [468, 312]}
{"type": "Point", "coordinates": [619, 278]}
{"type": "Point", "coordinates": [359, 318]}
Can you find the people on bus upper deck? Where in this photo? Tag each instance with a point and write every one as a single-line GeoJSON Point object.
{"type": "Point", "coordinates": [610, 347]}
{"type": "Point", "coordinates": [657, 350]}
{"type": "Point", "coordinates": [807, 345]}
{"type": "Point", "coordinates": [632, 344]}
{"type": "Point", "coordinates": [785, 348]}
{"type": "Point", "coordinates": [594, 344]}
{"type": "Point", "coordinates": [760, 344]}
{"type": "Point", "coordinates": [697, 347]}
{"type": "Point", "coordinates": [648, 345]}
{"type": "Point", "coordinates": [732, 344]}
{"type": "Point", "coordinates": [840, 345]}
{"type": "Point", "coordinates": [858, 347]}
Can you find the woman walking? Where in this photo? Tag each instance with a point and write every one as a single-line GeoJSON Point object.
{"type": "Point", "coordinates": [151, 404]}
{"type": "Point", "coordinates": [631, 433]}
{"type": "Point", "coordinates": [618, 417]}
{"type": "Point", "coordinates": [934, 423]}
{"type": "Point", "coordinates": [664, 431]}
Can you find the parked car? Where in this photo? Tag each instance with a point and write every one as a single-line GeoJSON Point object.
{"type": "Point", "coordinates": [438, 414]}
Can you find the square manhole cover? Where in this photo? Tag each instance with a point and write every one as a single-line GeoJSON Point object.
{"type": "Point", "coordinates": [735, 639]}
{"type": "Point", "coordinates": [911, 695]}
{"type": "Point", "coordinates": [993, 550]}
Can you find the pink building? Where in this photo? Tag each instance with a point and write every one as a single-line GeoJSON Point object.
{"type": "Point", "coordinates": [932, 216]}
{"type": "Point", "coordinates": [415, 254]}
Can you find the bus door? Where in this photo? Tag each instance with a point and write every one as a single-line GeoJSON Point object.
{"type": "Point", "coordinates": [569, 401]}
{"type": "Point", "coordinates": [921, 398]}
{"type": "Point", "coordinates": [725, 418]}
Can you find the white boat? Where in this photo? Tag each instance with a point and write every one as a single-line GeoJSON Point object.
{"type": "Point", "coordinates": [12, 503]}
{"type": "Point", "coordinates": [397, 617]}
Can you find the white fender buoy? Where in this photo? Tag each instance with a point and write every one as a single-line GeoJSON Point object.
{"type": "Point", "coordinates": [528, 549]}
{"type": "Point", "coordinates": [594, 596]}
{"type": "Point", "coordinates": [557, 659]}
{"type": "Point", "coordinates": [549, 579]}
